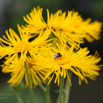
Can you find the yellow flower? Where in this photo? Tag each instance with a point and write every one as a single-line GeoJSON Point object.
{"type": "Point", "coordinates": [18, 72]}
{"type": "Point", "coordinates": [62, 59]}
{"type": "Point", "coordinates": [71, 28]}
{"type": "Point", "coordinates": [22, 45]}
{"type": "Point", "coordinates": [17, 51]}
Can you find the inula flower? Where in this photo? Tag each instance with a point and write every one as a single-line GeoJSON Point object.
{"type": "Point", "coordinates": [17, 70]}
{"type": "Point", "coordinates": [18, 50]}
{"type": "Point", "coordinates": [69, 28]}
{"type": "Point", "coordinates": [62, 59]}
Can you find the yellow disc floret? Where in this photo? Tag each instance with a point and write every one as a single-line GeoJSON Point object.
{"type": "Point", "coordinates": [61, 60]}
{"type": "Point", "coordinates": [22, 46]}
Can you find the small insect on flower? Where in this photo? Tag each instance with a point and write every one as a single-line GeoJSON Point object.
{"type": "Point", "coordinates": [57, 55]}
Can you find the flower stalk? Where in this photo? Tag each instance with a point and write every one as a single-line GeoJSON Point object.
{"type": "Point", "coordinates": [41, 85]}
{"type": "Point", "coordinates": [67, 88]}
{"type": "Point", "coordinates": [46, 90]}
{"type": "Point", "coordinates": [30, 89]}
{"type": "Point", "coordinates": [19, 99]}
{"type": "Point", "coordinates": [61, 89]}
{"type": "Point", "coordinates": [47, 93]}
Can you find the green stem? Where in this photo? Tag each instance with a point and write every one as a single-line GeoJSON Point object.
{"type": "Point", "coordinates": [67, 88]}
{"type": "Point", "coordinates": [46, 91]}
{"type": "Point", "coordinates": [28, 78]}
{"type": "Point", "coordinates": [61, 89]}
{"type": "Point", "coordinates": [41, 86]}
{"type": "Point", "coordinates": [19, 99]}
{"type": "Point", "coordinates": [47, 94]}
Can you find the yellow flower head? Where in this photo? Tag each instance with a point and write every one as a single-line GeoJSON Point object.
{"type": "Point", "coordinates": [18, 72]}
{"type": "Point", "coordinates": [19, 49]}
{"type": "Point", "coordinates": [63, 58]}
{"type": "Point", "coordinates": [71, 28]}
{"type": "Point", "coordinates": [14, 45]}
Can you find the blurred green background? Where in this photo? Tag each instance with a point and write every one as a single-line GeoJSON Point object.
{"type": "Point", "coordinates": [11, 14]}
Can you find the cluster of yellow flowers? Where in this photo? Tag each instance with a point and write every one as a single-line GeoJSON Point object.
{"type": "Point", "coordinates": [50, 48]}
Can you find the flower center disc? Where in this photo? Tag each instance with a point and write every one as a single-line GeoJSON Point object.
{"type": "Point", "coordinates": [61, 60]}
{"type": "Point", "coordinates": [21, 47]}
